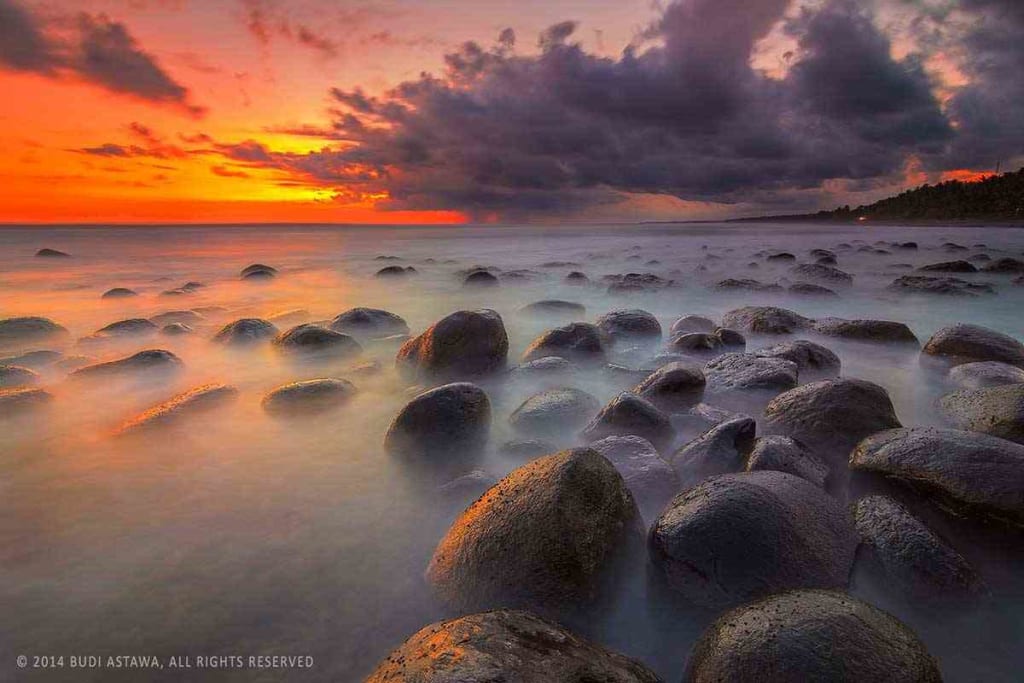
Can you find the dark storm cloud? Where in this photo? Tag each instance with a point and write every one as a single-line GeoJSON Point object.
{"type": "Point", "coordinates": [99, 51]}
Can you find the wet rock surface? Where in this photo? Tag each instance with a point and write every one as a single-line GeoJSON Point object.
{"type": "Point", "coordinates": [879, 331]}
{"type": "Point", "coordinates": [630, 415]}
{"type": "Point", "coordinates": [947, 286]}
{"type": "Point", "coordinates": [632, 325]}
{"type": "Point", "coordinates": [720, 450]}
{"type": "Point", "coordinates": [813, 361]}
{"type": "Point", "coordinates": [691, 323]}
{"type": "Point", "coordinates": [765, 320]}
{"type": "Point", "coordinates": [555, 411]}
{"type": "Point", "coordinates": [372, 323]}
{"type": "Point", "coordinates": [964, 343]}
{"type": "Point", "coordinates": [246, 331]}
{"type": "Point", "coordinates": [783, 454]}
{"type": "Point", "coordinates": [178, 409]}
{"type": "Point", "coordinates": [737, 537]}
{"type": "Point", "coordinates": [810, 635]}
{"type": "Point", "coordinates": [998, 411]}
{"type": "Point", "coordinates": [464, 344]}
{"type": "Point", "coordinates": [450, 420]}
{"type": "Point", "coordinates": [983, 374]}
{"type": "Point", "coordinates": [673, 387]}
{"type": "Point", "coordinates": [313, 340]}
{"type": "Point", "coordinates": [577, 342]}
{"type": "Point", "coordinates": [309, 397]}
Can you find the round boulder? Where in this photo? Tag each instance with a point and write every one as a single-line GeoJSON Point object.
{"type": "Point", "coordinates": [810, 635]}
{"type": "Point", "coordinates": [313, 340]}
{"type": "Point", "coordinates": [577, 342]}
{"type": "Point", "coordinates": [555, 411]}
{"type": "Point", "coordinates": [746, 379]}
{"type": "Point", "coordinates": [16, 332]}
{"type": "Point", "coordinates": [632, 325]}
{"type": "Point", "coordinates": [133, 327]}
{"type": "Point", "coordinates": [311, 397]}
{"type": "Point", "coordinates": [504, 645]}
{"type": "Point", "coordinates": [965, 343]}
{"type": "Point", "coordinates": [721, 449]}
{"type": "Point", "coordinates": [547, 537]}
{"type": "Point", "coordinates": [463, 344]}
{"type": "Point", "coordinates": [23, 400]}
{"type": "Point", "coordinates": [371, 323]}
{"type": "Point", "coordinates": [181, 407]}
{"type": "Point", "coordinates": [454, 418]}
{"type": "Point", "coordinates": [875, 331]}
{"type": "Point", "coordinates": [831, 416]}
{"type": "Point", "coordinates": [812, 360]}
{"type": "Point", "coordinates": [737, 537]}
{"type": "Point", "coordinates": [783, 454]}
{"type": "Point", "coordinates": [553, 308]}
{"type": "Point", "coordinates": [697, 344]}
{"type": "Point", "coordinates": [630, 415]}
{"type": "Point", "coordinates": [652, 481]}
{"type": "Point", "coordinates": [119, 293]}
{"type": "Point", "coordinates": [258, 271]}
{"type": "Point", "coordinates": [997, 411]}
{"type": "Point", "coordinates": [149, 362]}
{"type": "Point", "coordinates": [245, 331]}
{"type": "Point", "coordinates": [691, 323]}
{"type": "Point", "coordinates": [765, 320]}
{"type": "Point", "coordinates": [673, 387]}
{"type": "Point", "coordinates": [12, 376]}
{"type": "Point", "coordinates": [982, 374]}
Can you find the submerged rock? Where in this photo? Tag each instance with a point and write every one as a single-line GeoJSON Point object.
{"type": "Point", "coordinates": [119, 293]}
{"type": "Point", "coordinates": [16, 332]}
{"type": "Point", "coordinates": [963, 343]}
{"type": "Point", "coordinates": [576, 278]}
{"type": "Point", "coordinates": [810, 289]}
{"type": "Point", "coordinates": [985, 374]}
{"type": "Point", "coordinates": [810, 635]}
{"type": "Point", "coordinates": [181, 317]}
{"type": "Point", "coordinates": [912, 560]}
{"type": "Point", "coordinates": [691, 323]}
{"type": "Point", "coordinates": [508, 646]}
{"type": "Point", "coordinates": [394, 272]}
{"type": "Point", "coordinates": [176, 330]}
{"type": "Point", "coordinates": [831, 416]}
{"type": "Point", "coordinates": [743, 376]}
{"type": "Point", "coordinates": [812, 360]}
{"type": "Point", "coordinates": [632, 325]}
{"type": "Point", "coordinates": [651, 480]}
{"type": "Point", "coordinates": [997, 411]}
{"type": "Point", "coordinates": [12, 376]}
{"type": "Point", "coordinates": [133, 327]}
{"type": "Point", "coordinates": [553, 307]}
{"type": "Point", "coordinates": [480, 278]}
{"type": "Point", "coordinates": [577, 342]}
{"type": "Point", "coordinates": [746, 285]}
{"type": "Point", "coordinates": [371, 323]}
{"type": "Point", "coordinates": [245, 331]}
{"type": "Point", "coordinates": [450, 420]}
{"type": "Point", "coordinates": [950, 267]}
{"type": "Point", "coordinates": [965, 472]}
{"type": "Point", "coordinates": [150, 361]}
{"type": "Point", "coordinates": [629, 415]}
{"type": "Point", "coordinates": [310, 397]}
{"type": "Point", "coordinates": [697, 344]}
{"type": "Point", "coordinates": [765, 320]}
{"type": "Point", "coordinates": [548, 367]}
{"type": "Point", "coordinates": [462, 345]}
{"type": "Point", "coordinates": [20, 401]}
{"type": "Point", "coordinates": [313, 340]}
{"type": "Point", "coordinates": [731, 339]}
{"type": "Point", "coordinates": [46, 252]}
{"type": "Point", "coordinates": [258, 271]}
{"type": "Point", "coordinates": [783, 454]}
{"type": "Point", "coordinates": [821, 272]}
{"type": "Point", "coordinates": [737, 537]}
{"type": "Point", "coordinates": [880, 331]}
{"type": "Point", "coordinates": [950, 286]}
{"type": "Point", "coordinates": [1004, 265]}
{"type": "Point", "coordinates": [555, 411]}
{"type": "Point", "coordinates": [720, 450]}
{"type": "Point", "coordinates": [33, 360]}
{"type": "Point", "coordinates": [673, 387]}
{"type": "Point", "coordinates": [547, 537]}
{"type": "Point", "coordinates": [183, 406]}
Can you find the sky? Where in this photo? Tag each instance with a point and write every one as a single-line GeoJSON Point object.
{"type": "Point", "coordinates": [422, 111]}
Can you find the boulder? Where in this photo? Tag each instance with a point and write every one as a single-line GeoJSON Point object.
{"type": "Point", "coordinates": [480, 278]}
{"type": "Point", "coordinates": [950, 267]}
{"type": "Point", "coordinates": [691, 323]}
{"type": "Point", "coordinates": [997, 411]}
{"type": "Point", "coordinates": [783, 454]}
{"type": "Point", "coordinates": [740, 373]}
{"type": "Point", "coordinates": [449, 420]}
{"type": "Point", "coordinates": [313, 340]}
{"type": "Point", "coordinates": [991, 373]}
{"type": "Point", "coordinates": [196, 401]}
{"type": "Point", "coordinates": [874, 331]}
{"type": "Point", "coordinates": [46, 252]}
{"type": "Point", "coordinates": [1004, 265]}
{"type": "Point", "coordinates": [371, 323]}
{"type": "Point", "coordinates": [507, 646]}
{"type": "Point", "coordinates": [746, 285]}
{"type": "Point", "coordinates": [23, 400]}
{"type": "Point", "coordinates": [395, 272]}
{"type": "Point", "coordinates": [149, 362]}
{"type": "Point", "coordinates": [547, 537]}
{"type": "Point", "coordinates": [697, 344]}
{"type": "Point", "coordinates": [908, 556]}
{"type": "Point", "coordinates": [964, 472]}
{"type": "Point", "coordinates": [245, 331]}
{"type": "Point", "coordinates": [182, 317]}
{"type": "Point", "coordinates": [464, 344]}
{"type": "Point", "coordinates": [822, 273]}
{"type": "Point", "coordinates": [810, 289]}
{"type": "Point", "coordinates": [18, 332]}
{"type": "Point", "coordinates": [630, 415]}
{"type": "Point", "coordinates": [963, 343]}
{"type": "Point", "coordinates": [810, 635]}
{"type": "Point", "coordinates": [781, 256]}
{"type": "Point", "coordinates": [310, 397]}
{"type": "Point", "coordinates": [737, 537]}
{"type": "Point", "coordinates": [651, 480]}
{"type": "Point", "coordinates": [812, 360]}
{"type": "Point", "coordinates": [673, 387]}
{"type": "Point", "coordinates": [947, 286]}
{"type": "Point", "coordinates": [720, 450]}
{"type": "Point", "coordinates": [176, 330]}
{"type": "Point", "coordinates": [12, 376]}
{"type": "Point", "coordinates": [133, 327]}
{"type": "Point", "coordinates": [577, 342]}
{"type": "Point", "coordinates": [257, 271]}
{"type": "Point", "coordinates": [119, 293]}
{"type": "Point", "coordinates": [631, 325]}
{"type": "Point", "coordinates": [33, 360]}
{"type": "Point", "coordinates": [731, 339]}
{"type": "Point", "coordinates": [576, 278]}
{"type": "Point", "coordinates": [553, 308]}
{"type": "Point", "coordinates": [831, 416]}
{"type": "Point", "coordinates": [765, 320]}
{"type": "Point", "coordinates": [555, 412]}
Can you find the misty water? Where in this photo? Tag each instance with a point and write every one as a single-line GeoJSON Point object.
{"type": "Point", "coordinates": [238, 533]}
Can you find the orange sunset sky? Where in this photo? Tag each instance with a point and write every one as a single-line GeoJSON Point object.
{"type": "Point", "coordinates": [380, 112]}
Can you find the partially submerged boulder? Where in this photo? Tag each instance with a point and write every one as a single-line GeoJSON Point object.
{"type": "Point", "coordinates": [945, 286]}
{"type": "Point", "coordinates": [46, 252]}
{"type": "Point", "coordinates": [148, 362]}
{"type": "Point", "coordinates": [480, 278]}
{"type": "Point", "coordinates": [630, 415]}
{"type": "Point", "coordinates": [554, 308]}
{"type": "Point", "coordinates": [23, 400]}
{"type": "Point", "coordinates": [464, 344]}
{"type": "Point", "coordinates": [997, 411]}
{"type": "Point", "coordinates": [651, 480]}
{"type": "Point", "coordinates": [810, 635]}
{"type": "Point", "coordinates": [119, 293]}
{"type": "Point", "coordinates": [577, 342]}
{"type": "Point", "coordinates": [964, 343]}
{"type": "Point", "coordinates": [133, 327]}
{"type": "Point", "coordinates": [312, 340]}
{"type": "Point", "coordinates": [245, 332]}
{"type": "Point", "coordinates": [821, 272]}
{"type": "Point", "coordinates": [19, 332]}
{"type": "Point", "coordinates": [181, 407]}
{"type": "Point", "coordinates": [547, 537]}
{"type": "Point", "coordinates": [720, 450]}
{"type": "Point", "coordinates": [12, 376]}
{"type": "Point", "coordinates": [555, 411]}
{"type": "Point", "coordinates": [309, 397]}
{"type": "Point", "coordinates": [371, 323]}
{"type": "Point", "coordinates": [452, 419]}
{"type": "Point", "coordinates": [878, 331]}
{"type": "Point", "coordinates": [783, 454]}
{"type": "Point", "coordinates": [765, 320]}
{"type": "Point", "coordinates": [673, 387]}
{"type": "Point", "coordinates": [735, 377]}
{"type": "Point", "coordinates": [631, 325]}
{"type": "Point", "coordinates": [983, 374]}
{"type": "Point", "coordinates": [691, 323]}
{"type": "Point", "coordinates": [812, 360]}
{"type": "Point", "coordinates": [950, 267]}
{"type": "Point", "coordinates": [508, 646]}
{"type": "Point", "coordinates": [737, 537]}
{"type": "Point", "coordinates": [258, 271]}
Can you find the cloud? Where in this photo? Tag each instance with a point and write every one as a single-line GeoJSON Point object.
{"type": "Point", "coordinates": [97, 50]}
{"type": "Point", "coordinates": [225, 172]}
{"type": "Point", "coordinates": [264, 20]}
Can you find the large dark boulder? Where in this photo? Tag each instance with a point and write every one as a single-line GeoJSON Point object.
{"type": "Point", "coordinates": [692, 323]}
{"type": "Point", "coordinates": [369, 323]}
{"type": "Point", "coordinates": [480, 278]}
{"type": "Point", "coordinates": [812, 360]}
{"type": "Point", "coordinates": [783, 454]}
{"type": "Point", "coordinates": [149, 362]}
{"type": "Point", "coordinates": [997, 411]}
{"type": "Point", "coordinates": [1004, 265]}
{"type": "Point", "coordinates": [197, 401]}
{"type": "Point", "coordinates": [831, 416]}
{"type": "Point", "coordinates": [555, 411]}
{"type": "Point", "coordinates": [507, 646]}
{"type": "Point", "coordinates": [312, 340]}
{"type": "Point", "coordinates": [554, 308]}
{"type": "Point", "coordinates": [12, 376]}
{"type": "Point", "coordinates": [765, 320]}
{"type": "Point", "coordinates": [395, 272]}
{"type": "Point", "coordinates": [309, 397]}
{"type": "Point", "coordinates": [720, 450]}
{"type": "Point", "coordinates": [630, 415]}
{"type": "Point", "coordinates": [451, 419]}
{"type": "Point", "coordinates": [673, 387]}
{"type": "Point", "coordinates": [632, 325]}
{"type": "Point", "coordinates": [258, 271]}
{"type": "Point", "coordinates": [950, 267]}
{"type": "Point", "coordinates": [462, 345]}
{"type": "Point", "coordinates": [577, 342]}
{"type": "Point", "coordinates": [737, 377]}
{"type": "Point", "coordinates": [990, 373]}
{"type": "Point", "coordinates": [46, 252]}
{"type": "Point", "coordinates": [908, 557]}
{"type": "Point", "coordinates": [697, 344]}
{"type": "Point", "coordinates": [965, 472]}
{"type": "Point", "coordinates": [810, 635]}
{"type": "Point", "coordinates": [245, 331]}
{"type": "Point", "coordinates": [944, 286]}
{"type": "Point", "coordinates": [737, 537]}
{"type": "Point", "coordinates": [964, 343]}
{"type": "Point", "coordinates": [652, 481]}
{"type": "Point", "coordinates": [133, 327]}
{"type": "Point", "coordinates": [821, 272]}
{"type": "Point", "coordinates": [879, 331]}
{"type": "Point", "coordinates": [547, 537]}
